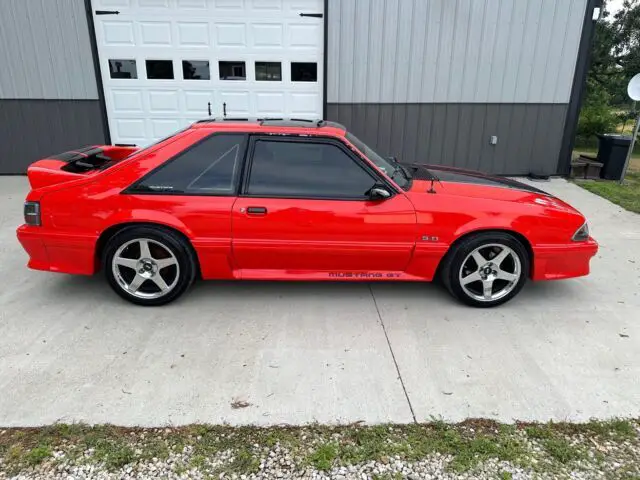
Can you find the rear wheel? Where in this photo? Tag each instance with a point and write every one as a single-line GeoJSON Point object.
{"type": "Point", "coordinates": [149, 265]}
{"type": "Point", "coordinates": [486, 269]}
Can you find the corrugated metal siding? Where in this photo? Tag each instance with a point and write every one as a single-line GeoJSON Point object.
{"type": "Point", "coordinates": [34, 129]}
{"type": "Point", "coordinates": [453, 51]}
{"type": "Point", "coordinates": [45, 50]}
{"type": "Point", "coordinates": [457, 134]}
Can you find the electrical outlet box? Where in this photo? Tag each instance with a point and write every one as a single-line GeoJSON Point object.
{"type": "Point", "coordinates": [493, 140]}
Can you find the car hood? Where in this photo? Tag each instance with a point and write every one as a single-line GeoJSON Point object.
{"type": "Point", "coordinates": [458, 175]}
{"type": "Point", "coordinates": [430, 179]}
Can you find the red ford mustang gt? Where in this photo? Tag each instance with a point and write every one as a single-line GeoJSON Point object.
{"type": "Point", "coordinates": [290, 200]}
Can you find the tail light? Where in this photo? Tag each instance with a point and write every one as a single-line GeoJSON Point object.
{"type": "Point", "coordinates": [582, 234]}
{"type": "Point", "coordinates": [32, 213]}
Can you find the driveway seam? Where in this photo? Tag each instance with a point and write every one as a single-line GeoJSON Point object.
{"type": "Point", "coordinates": [393, 356]}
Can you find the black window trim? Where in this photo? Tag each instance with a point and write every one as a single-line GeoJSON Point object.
{"type": "Point", "coordinates": [329, 140]}
{"type": "Point", "coordinates": [131, 189]}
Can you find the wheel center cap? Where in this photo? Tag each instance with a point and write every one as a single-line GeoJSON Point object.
{"type": "Point", "coordinates": [147, 267]}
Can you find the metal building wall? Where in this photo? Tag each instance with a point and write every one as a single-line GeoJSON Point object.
{"type": "Point", "coordinates": [432, 80]}
{"type": "Point", "coordinates": [48, 92]}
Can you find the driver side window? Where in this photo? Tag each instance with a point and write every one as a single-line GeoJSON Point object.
{"type": "Point", "coordinates": [306, 169]}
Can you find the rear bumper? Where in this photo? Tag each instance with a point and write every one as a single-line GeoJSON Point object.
{"type": "Point", "coordinates": [555, 262]}
{"type": "Point", "coordinates": [57, 252]}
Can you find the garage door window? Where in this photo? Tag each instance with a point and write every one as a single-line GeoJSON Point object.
{"type": "Point", "coordinates": [268, 71]}
{"type": "Point", "coordinates": [211, 167]}
{"type": "Point", "coordinates": [304, 72]}
{"type": "Point", "coordinates": [195, 70]}
{"type": "Point", "coordinates": [159, 69]}
{"type": "Point", "coordinates": [123, 68]}
{"type": "Point", "coordinates": [306, 170]}
{"type": "Point", "coordinates": [232, 71]}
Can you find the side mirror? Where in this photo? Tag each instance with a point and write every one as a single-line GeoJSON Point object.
{"type": "Point", "coordinates": [379, 193]}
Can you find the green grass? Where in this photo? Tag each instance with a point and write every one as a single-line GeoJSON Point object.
{"type": "Point", "coordinates": [626, 195]}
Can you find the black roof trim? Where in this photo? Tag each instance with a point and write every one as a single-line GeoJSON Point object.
{"type": "Point", "coordinates": [278, 122]}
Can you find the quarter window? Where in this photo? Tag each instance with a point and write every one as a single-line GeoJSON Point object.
{"type": "Point", "coordinates": [119, 68]}
{"type": "Point", "coordinates": [211, 167]}
{"type": "Point", "coordinates": [159, 69]}
{"type": "Point", "coordinates": [195, 70]}
{"type": "Point", "coordinates": [306, 170]}
{"type": "Point", "coordinates": [232, 71]}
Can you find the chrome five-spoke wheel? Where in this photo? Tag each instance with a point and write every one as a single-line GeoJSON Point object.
{"type": "Point", "coordinates": [149, 264]}
{"type": "Point", "coordinates": [486, 269]}
{"type": "Point", "coordinates": [145, 268]}
{"type": "Point", "coordinates": [490, 272]}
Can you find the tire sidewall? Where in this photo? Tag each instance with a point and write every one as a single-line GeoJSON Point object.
{"type": "Point", "coordinates": [169, 239]}
{"type": "Point", "coordinates": [468, 245]}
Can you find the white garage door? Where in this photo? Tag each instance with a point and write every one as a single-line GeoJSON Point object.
{"type": "Point", "coordinates": [165, 63]}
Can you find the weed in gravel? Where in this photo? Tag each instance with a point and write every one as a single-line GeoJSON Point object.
{"type": "Point", "coordinates": [37, 455]}
{"type": "Point", "coordinates": [243, 462]}
{"type": "Point", "coordinates": [561, 450]}
{"type": "Point", "coordinates": [115, 454]}
{"type": "Point", "coordinates": [323, 457]}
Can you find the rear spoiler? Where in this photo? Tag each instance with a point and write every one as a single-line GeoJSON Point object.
{"type": "Point", "coordinates": [83, 160]}
{"type": "Point", "coordinates": [75, 164]}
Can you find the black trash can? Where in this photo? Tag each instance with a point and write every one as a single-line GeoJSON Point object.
{"type": "Point", "coordinates": [612, 153]}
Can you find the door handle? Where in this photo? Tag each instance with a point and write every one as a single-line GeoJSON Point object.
{"type": "Point", "coordinates": [256, 211]}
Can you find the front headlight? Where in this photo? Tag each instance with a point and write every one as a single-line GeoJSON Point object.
{"type": "Point", "coordinates": [582, 234]}
{"type": "Point", "coordinates": [32, 213]}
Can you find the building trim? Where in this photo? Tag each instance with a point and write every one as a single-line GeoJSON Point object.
{"type": "Point", "coordinates": [578, 88]}
{"type": "Point", "coordinates": [98, 73]}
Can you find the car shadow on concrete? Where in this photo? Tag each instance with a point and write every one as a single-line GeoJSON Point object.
{"type": "Point", "coordinates": [96, 289]}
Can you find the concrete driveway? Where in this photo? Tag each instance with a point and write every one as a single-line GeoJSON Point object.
{"type": "Point", "coordinates": [269, 353]}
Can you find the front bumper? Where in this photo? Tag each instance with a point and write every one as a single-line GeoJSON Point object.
{"type": "Point", "coordinates": [58, 252]}
{"type": "Point", "coordinates": [555, 262]}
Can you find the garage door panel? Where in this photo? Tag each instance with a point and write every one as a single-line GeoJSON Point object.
{"type": "Point", "coordinates": [198, 4]}
{"type": "Point", "coordinates": [270, 104]}
{"type": "Point", "coordinates": [196, 101]}
{"type": "Point", "coordinates": [305, 104]}
{"type": "Point", "coordinates": [266, 4]}
{"type": "Point", "coordinates": [127, 101]}
{"type": "Point", "coordinates": [233, 5]}
{"type": "Point", "coordinates": [113, 3]}
{"type": "Point", "coordinates": [162, 127]}
{"type": "Point", "coordinates": [202, 33]}
{"type": "Point", "coordinates": [164, 101]}
{"type": "Point", "coordinates": [131, 130]}
{"type": "Point", "coordinates": [193, 34]}
{"type": "Point", "coordinates": [238, 103]}
{"type": "Point", "coordinates": [303, 36]}
{"type": "Point", "coordinates": [118, 33]}
{"type": "Point", "coordinates": [155, 33]}
{"type": "Point", "coordinates": [267, 35]}
{"type": "Point", "coordinates": [231, 35]}
{"type": "Point", "coordinates": [153, 3]}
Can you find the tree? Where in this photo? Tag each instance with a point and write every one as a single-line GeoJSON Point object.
{"type": "Point", "coordinates": [615, 57]}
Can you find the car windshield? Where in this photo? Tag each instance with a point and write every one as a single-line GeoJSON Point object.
{"type": "Point", "coordinates": [389, 166]}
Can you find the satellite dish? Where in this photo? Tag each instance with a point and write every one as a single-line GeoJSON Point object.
{"type": "Point", "coordinates": [634, 88]}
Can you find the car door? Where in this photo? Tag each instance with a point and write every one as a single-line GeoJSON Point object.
{"type": "Point", "coordinates": [305, 209]}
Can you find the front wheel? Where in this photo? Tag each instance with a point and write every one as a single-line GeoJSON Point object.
{"type": "Point", "coordinates": [486, 269]}
{"type": "Point", "coordinates": [149, 265]}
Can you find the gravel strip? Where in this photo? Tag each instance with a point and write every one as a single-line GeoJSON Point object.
{"type": "Point", "coordinates": [471, 450]}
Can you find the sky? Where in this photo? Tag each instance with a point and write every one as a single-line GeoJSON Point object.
{"type": "Point", "coordinates": [614, 5]}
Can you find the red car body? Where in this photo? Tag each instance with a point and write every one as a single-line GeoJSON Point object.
{"type": "Point", "coordinates": [402, 238]}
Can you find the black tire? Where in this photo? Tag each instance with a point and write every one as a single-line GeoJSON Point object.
{"type": "Point", "coordinates": [453, 263]}
{"type": "Point", "coordinates": [184, 259]}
